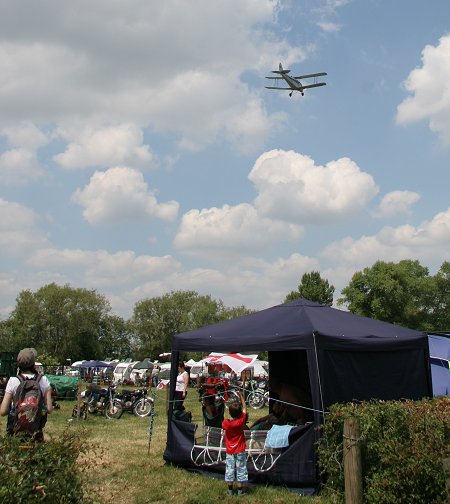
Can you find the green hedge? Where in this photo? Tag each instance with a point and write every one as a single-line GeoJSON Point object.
{"type": "Point", "coordinates": [41, 472]}
{"type": "Point", "coordinates": [403, 446]}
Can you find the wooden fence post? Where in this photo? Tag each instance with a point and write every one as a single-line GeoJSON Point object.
{"type": "Point", "coordinates": [352, 462]}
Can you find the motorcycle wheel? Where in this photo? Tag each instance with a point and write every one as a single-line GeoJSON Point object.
{"type": "Point", "coordinates": [256, 400]}
{"type": "Point", "coordinates": [142, 408]}
{"type": "Point", "coordinates": [113, 410]}
{"type": "Point", "coordinates": [266, 398]}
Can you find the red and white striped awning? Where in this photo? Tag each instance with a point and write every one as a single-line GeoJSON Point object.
{"type": "Point", "coordinates": [235, 361]}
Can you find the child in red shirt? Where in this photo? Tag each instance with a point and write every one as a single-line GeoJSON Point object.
{"type": "Point", "coordinates": [236, 458]}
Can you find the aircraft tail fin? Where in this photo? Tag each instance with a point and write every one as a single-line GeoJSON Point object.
{"type": "Point", "coordinates": [280, 70]}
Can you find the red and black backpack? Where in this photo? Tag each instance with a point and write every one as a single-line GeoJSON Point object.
{"type": "Point", "coordinates": [28, 406]}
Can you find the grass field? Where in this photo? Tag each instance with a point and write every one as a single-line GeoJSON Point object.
{"type": "Point", "coordinates": [121, 468]}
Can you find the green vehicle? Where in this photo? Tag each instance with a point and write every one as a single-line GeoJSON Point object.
{"type": "Point", "coordinates": [65, 385]}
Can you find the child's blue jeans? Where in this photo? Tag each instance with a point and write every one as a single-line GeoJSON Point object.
{"type": "Point", "coordinates": [236, 467]}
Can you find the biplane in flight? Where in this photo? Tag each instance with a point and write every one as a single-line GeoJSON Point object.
{"type": "Point", "coordinates": [294, 82]}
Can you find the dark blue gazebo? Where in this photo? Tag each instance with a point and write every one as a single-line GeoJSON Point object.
{"type": "Point", "coordinates": [329, 355]}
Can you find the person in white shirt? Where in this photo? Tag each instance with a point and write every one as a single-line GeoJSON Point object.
{"type": "Point", "coordinates": [26, 360]}
{"type": "Point", "coordinates": [181, 386]}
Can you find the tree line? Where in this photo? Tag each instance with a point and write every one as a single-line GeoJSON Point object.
{"type": "Point", "coordinates": [63, 322]}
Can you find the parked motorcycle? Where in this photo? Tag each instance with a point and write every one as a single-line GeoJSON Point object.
{"type": "Point", "coordinates": [263, 388]}
{"type": "Point", "coordinates": [101, 400]}
{"type": "Point", "coordinates": [135, 401]}
{"type": "Point", "coordinates": [221, 390]}
{"type": "Point", "coordinates": [255, 394]}
{"type": "Point", "coordinates": [227, 394]}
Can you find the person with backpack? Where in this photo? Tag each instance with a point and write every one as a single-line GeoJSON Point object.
{"type": "Point", "coordinates": [27, 399]}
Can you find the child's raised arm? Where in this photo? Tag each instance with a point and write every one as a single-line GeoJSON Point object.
{"type": "Point", "coordinates": [243, 404]}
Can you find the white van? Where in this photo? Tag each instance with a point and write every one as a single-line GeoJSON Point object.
{"type": "Point", "coordinates": [123, 371]}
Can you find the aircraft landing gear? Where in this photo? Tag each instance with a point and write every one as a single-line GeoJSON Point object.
{"type": "Point", "coordinates": [290, 94]}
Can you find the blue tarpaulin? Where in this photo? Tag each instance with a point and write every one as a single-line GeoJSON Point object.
{"type": "Point", "coordinates": [440, 359]}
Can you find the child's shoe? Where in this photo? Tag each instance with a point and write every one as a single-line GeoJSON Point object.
{"type": "Point", "coordinates": [229, 491]}
{"type": "Point", "coordinates": [240, 492]}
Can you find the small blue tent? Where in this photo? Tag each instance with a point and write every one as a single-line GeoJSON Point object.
{"type": "Point", "coordinates": [96, 364]}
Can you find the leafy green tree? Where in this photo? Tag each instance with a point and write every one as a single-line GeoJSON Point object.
{"type": "Point", "coordinates": [116, 337]}
{"type": "Point", "coordinates": [156, 320]}
{"type": "Point", "coordinates": [313, 287]}
{"type": "Point", "coordinates": [50, 363]}
{"type": "Point", "coordinates": [6, 336]}
{"type": "Point", "coordinates": [401, 293]}
{"type": "Point", "coordinates": [24, 327]}
{"type": "Point", "coordinates": [48, 360]}
{"type": "Point", "coordinates": [64, 322]}
{"type": "Point", "coordinates": [440, 304]}
{"type": "Point", "coordinates": [234, 312]}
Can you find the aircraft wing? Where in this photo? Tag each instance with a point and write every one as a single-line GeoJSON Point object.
{"type": "Point", "coordinates": [308, 76]}
{"type": "Point", "coordinates": [315, 85]}
{"type": "Point", "coordinates": [272, 87]}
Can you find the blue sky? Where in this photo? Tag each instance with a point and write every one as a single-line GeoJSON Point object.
{"type": "Point", "coordinates": [140, 152]}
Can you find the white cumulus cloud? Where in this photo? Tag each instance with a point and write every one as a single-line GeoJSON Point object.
{"type": "Point", "coordinates": [102, 268]}
{"type": "Point", "coordinates": [15, 216]}
{"type": "Point", "coordinates": [262, 283]}
{"type": "Point", "coordinates": [293, 188]}
{"type": "Point", "coordinates": [430, 91]}
{"type": "Point", "coordinates": [429, 242]}
{"type": "Point", "coordinates": [105, 146]}
{"type": "Point", "coordinates": [25, 135]}
{"type": "Point", "coordinates": [230, 230]}
{"type": "Point", "coordinates": [396, 203]}
{"type": "Point", "coordinates": [18, 166]}
{"type": "Point", "coordinates": [107, 66]}
{"type": "Point", "coordinates": [18, 230]}
{"type": "Point", "coordinates": [121, 194]}
{"type": "Point", "coordinates": [18, 162]}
